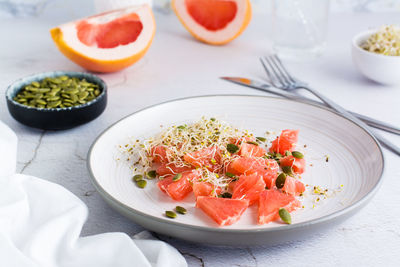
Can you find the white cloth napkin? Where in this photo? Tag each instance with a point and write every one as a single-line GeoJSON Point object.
{"type": "Point", "coordinates": [40, 224]}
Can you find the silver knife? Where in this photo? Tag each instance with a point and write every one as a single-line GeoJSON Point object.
{"type": "Point", "coordinates": [265, 87]}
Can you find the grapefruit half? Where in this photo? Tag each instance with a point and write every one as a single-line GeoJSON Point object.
{"type": "Point", "coordinates": [213, 21]}
{"type": "Point", "coordinates": [109, 41]}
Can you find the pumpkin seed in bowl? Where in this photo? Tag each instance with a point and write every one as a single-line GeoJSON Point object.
{"type": "Point", "coordinates": [57, 92]}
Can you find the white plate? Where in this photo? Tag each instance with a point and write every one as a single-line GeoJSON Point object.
{"type": "Point", "coordinates": [355, 161]}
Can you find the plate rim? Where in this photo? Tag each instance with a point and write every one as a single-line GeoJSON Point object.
{"type": "Point", "coordinates": [360, 203]}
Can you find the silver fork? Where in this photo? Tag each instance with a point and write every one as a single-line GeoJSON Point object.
{"type": "Point", "coordinates": [280, 78]}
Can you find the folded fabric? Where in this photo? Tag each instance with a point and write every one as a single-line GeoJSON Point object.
{"type": "Point", "coordinates": [40, 224]}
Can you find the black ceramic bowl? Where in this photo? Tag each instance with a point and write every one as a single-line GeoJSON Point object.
{"type": "Point", "coordinates": [56, 118]}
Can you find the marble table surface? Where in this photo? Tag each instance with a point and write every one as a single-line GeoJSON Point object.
{"type": "Point", "coordinates": [177, 66]}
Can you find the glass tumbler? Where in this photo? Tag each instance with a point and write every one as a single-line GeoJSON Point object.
{"type": "Point", "coordinates": [299, 28]}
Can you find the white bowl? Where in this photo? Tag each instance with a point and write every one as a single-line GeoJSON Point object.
{"type": "Point", "coordinates": [380, 68]}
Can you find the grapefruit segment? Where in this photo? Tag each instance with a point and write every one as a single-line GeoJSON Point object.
{"type": "Point", "coordinates": [285, 142]}
{"type": "Point", "coordinates": [179, 189]}
{"type": "Point", "coordinates": [209, 157]}
{"type": "Point", "coordinates": [213, 21]}
{"type": "Point", "coordinates": [224, 211]}
{"type": "Point", "coordinates": [170, 168]}
{"type": "Point", "coordinates": [249, 187]}
{"type": "Point", "coordinates": [271, 201]}
{"type": "Point", "coordinates": [293, 186]}
{"type": "Point", "coordinates": [250, 150]}
{"type": "Point", "coordinates": [268, 168]}
{"type": "Point", "coordinates": [298, 165]}
{"type": "Point", "coordinates": [159, 154]}
{"type": "Point", "coordinates": [109, 41]}
{"type": "Point", "coordinates": [205, 189]}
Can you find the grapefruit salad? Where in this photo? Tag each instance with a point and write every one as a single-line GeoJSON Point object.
{"type": "Point", "coordinates": [226, 168]}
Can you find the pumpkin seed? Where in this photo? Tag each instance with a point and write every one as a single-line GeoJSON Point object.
{"type": "Point", "coordinates": [151, 174]}
{"type": "Point", "coordinates": [285, 215]}
{"type": "Point", "coordinates": [53, 98]}
{"type": "Point", "coordinates": [36, 84]}
{"type": "Point", "coordinates": [230, 175]}
{"type": "Point", "coordinates": [232, 148]}
{"type": "Point", "coordinates": [83, 95]}
{"type": "Point", "coordinates": [287, 170]}
{"type": "Point", "coordinates": [297, 155]}
{"type": "Point", "coordinates": [41, 102]}
{"type": "Point", "coordinates": [252, 143]}
{"type": "Point", "coordinates": [141, 183]}
{"type": "Point", "coordinates": [280, 180]}
{"type": "Point", "coordinates": [288, 153]}
{"type": "Point", "coordinates": [180, 210]}
{"type": "Point", "coordinates": [137, 177]}
{"type": "Point", "coordinates": [226, 195]}
{"type": "Point", "coordinates": [54, 104]}
{"type": "Point", "coordinates": [262, 139]}
{"type": "Point", "coordinates": [170, 214]}
{"type": "Point", "coordinates": [44, 90]}
{"type": "Point", "coordinates": [177, 177]}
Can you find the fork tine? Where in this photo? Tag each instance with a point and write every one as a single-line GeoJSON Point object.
{"type": "Point", "coordinates": [271, 77]}
{"type": "Point", "coordinates": [282, 67]}
{"type": "Point", "coordinates": [283, 74]}
{"type": "Point", "coordinates": [274, 70]}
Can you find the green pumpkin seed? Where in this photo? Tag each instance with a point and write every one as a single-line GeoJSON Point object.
{"type": "Point", "coordinates": [232, 148]}
{"type": "Point", "coordinates": [54, 104]}
{"type": "Point", "coordinates": [72, 91]}
{"type": "Point", "coordinates": [261, 139]}
{"type": "Point", "coordinates": [212, 119]}
{"type": "Point", "coordinates": [41, 102]}
{"type": "Point", "coordinates": [230, 175]}
{"type": "Point", "coordinates": [252, 143]}
{"type": "Point", "coordinates": [177, 177]}
{"type": "Point", "coordinates": [53, 98]}
{"type": "Point", "coordinates": [170, 214]}
{"type": "Point", "coordinates": [151, 174]}
{"type": "Point", "coordinates": [285, 216]}
{"type": "Point", "coordinates": [226, 195]}
{"type": "Point", "coordinates": [137, 177]}
{"type": "Point", "coordinates": [180, 210]}
{"type": "Point", "coordinates": [21, 100]}
{"type": "Point", "coordinates": [280, 180]}
{"type": "Point", "coordinates": [141, 183]}
{"type": "Point", "coordinates": [74, 98]}
{"type": "Point", "coordinates": [297, 155]}
{"type": "Point", "coordinates": [287, 170]}
{"type": "Point", "coordinates": [288, 153]}
{"type": "Point", "coordinates": [83, 95]}
{"type": "Point", "coordinates": [36, 84]}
